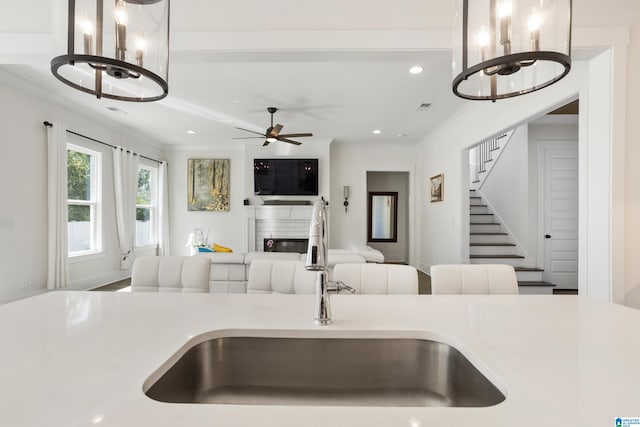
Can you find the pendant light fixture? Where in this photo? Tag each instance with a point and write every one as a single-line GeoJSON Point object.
{"type": "Point", "coordinates": [117, 49]}
{"type": "Point", "coordinates": [506, 48]}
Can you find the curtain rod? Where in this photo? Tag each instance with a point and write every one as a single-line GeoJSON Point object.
{"type": "Point", "coordinates": [50, 125]}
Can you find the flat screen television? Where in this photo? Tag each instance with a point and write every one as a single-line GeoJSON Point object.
{"type": "Point", "coordinates": [285, 177]}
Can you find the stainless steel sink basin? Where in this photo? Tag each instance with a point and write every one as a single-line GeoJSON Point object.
{"type": "Point", "coordinates": [324, 371]}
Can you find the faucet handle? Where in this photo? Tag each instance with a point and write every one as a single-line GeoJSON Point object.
{"type": "Point", "coordinates": [341, 286]}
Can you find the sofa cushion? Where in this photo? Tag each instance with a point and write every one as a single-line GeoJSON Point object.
{"type": "Point", "coordinates": [340, 258]}
{"type": "Point", "coordinates": [170, 274]}
{"type": "Point", "coordinates": [227, 287]}
{"type": "Point", "coordinates": [473, 279]}
{"type": "Point", "coordinates": [224, 257]}
{"type": "Point", "coordinates": [293, 256]}
{"type": "Point", "coordinates": [378, 278]}
{"type": "Point", "coordinates": [280, 276]}
{"type": "Point", "coordinates": [369, 254]}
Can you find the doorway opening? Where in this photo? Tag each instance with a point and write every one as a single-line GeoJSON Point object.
{"type": "Point", "coordinates": [395, 249]}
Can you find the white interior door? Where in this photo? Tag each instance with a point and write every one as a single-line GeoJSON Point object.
{"type": "Point", "coordinates": [559, 205]}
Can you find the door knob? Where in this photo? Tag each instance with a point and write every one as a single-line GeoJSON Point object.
{"type": "Point", "coordinates": [547, 236]}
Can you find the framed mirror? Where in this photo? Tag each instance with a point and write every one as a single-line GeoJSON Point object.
{"type": "Point", "coordinates": [382, 224]}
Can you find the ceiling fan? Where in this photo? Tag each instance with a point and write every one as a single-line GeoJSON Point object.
{"type": "Point", "coordinates": [273, 132]}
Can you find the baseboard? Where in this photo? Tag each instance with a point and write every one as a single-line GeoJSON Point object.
{"type": "Point", "coordinates": [98, 281]}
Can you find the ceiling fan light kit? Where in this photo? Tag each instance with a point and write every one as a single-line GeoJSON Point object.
{"type": "Point", "coordinates": [506, 48]}
{"type": "Point", "coordinates": [273, 134]}
{"type": "Point", "coordinates": [117, 49]}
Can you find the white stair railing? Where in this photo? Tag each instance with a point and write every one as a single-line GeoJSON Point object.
{"type": "Point", "coordinates": [483, 156]}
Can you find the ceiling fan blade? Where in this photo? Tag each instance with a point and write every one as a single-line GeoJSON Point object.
{"type": "Point", "coordinates": [295, 135]}
{"type": "Point", "coordinates": [276, 129]}
{"type": "Point", "coordinates": [265, 143]}
{"type": "Point", "coordinates": [290, 141]}
{"type": "Point", "coordinates": [252, 131]}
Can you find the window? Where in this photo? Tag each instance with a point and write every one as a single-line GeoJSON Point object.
{"type": "Point", "coordinates": [84, 227]}
{"type": "Point", "coordinates": [146, 206]}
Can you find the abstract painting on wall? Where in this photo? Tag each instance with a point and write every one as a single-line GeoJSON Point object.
{"type": "Point", "coordinates": [208, 185]}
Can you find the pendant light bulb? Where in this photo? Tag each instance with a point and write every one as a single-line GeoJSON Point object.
{"type": "Point", "coordinates": [534, 23]}
{"type": "Point", "coordinates": [86, 25]}
{"type": "Point", "coordinates": [505, 9]}
{"type": "Point", "coordinates": [121, 13]}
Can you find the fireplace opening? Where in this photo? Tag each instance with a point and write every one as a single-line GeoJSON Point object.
{"type": "Point", "coordinates": [285, 245]}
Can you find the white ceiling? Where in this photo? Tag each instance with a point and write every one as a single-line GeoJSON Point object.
{"type": "Point", "coordinates": [337, 68]}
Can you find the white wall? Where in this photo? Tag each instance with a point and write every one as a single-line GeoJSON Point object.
{"type": "Point", "coordinates": [23, 190]}
{"type": "Point", "coordinates": [349, 166]}
{"type": "Point", "coordinates": [224, 228]}
{"type": "Point", "coordinates": [230, 228]}
{"type": "Point", "coordinates": [506, 190]}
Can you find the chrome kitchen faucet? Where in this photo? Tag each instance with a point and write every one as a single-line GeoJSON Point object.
{"type": "Point", "coordinates": [317, 261]}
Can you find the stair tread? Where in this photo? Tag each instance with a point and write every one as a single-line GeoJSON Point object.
{"type": "Point", "coordinates": [491, 244]}
{"type": "Point", "coordinates": [497, 256]}
{"type": "Point", "coordinates": [485, 214]}
{"type": "Point", "coordinates": [475, 205]}
{"type": "Point", "coordinates": [488, 234]}
{"type": "Point", "coordinates": [527, 269]}
{"type": "Point", "coordinates": [535, 283]}
{"type": "Point", "coordinates": [484, 223]}
{"type": "Point", "coordinates": [473, 182]}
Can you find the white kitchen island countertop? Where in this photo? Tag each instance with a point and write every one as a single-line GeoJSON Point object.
{"type": "Point", "coordinates": [81, 358]}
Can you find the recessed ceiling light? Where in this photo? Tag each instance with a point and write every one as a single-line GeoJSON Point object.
{"type": "Point", "coordinates": [402, 135]}
{"type": "Point", "coordinates": [191, 132]}
{"type": "Point", "coordinates": [377, 131]}
{"type": "Point", "coordinates": [416, 69]}
{"type": "Point", "coordinates": [235, 101]}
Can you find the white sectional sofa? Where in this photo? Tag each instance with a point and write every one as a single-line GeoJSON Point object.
{"type": "Point", "coordinates": [230, 270]}
{"type": "Point", "coordinates": [291, 277]}
{"type": "Point", "coordinates": [367, 252]}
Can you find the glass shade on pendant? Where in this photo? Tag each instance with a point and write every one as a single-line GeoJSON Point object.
{"type": "Point", "coordinates": [506, 48]}
{"type": "Point", "coordinates": [117, 49]}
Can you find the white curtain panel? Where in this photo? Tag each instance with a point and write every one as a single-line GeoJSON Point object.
{"type": "Point", "coordinates": [125, 179]}
{"type": "Point", "coordinates": [57, 269]}
{"type": "Point", "coordinates": [164, 248]}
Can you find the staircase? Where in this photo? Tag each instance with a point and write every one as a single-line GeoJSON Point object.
{"type": "Point", "coordinates": [489, 240]}
{"type": "Point", "coordinates": [490, 243]}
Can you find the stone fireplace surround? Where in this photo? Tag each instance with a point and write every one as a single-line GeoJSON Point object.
{"type": "Point", "coordinates": [276, 222]}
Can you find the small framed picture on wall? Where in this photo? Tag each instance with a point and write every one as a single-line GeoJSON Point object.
{"type": "Point", "coordinates": [436, 188]}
